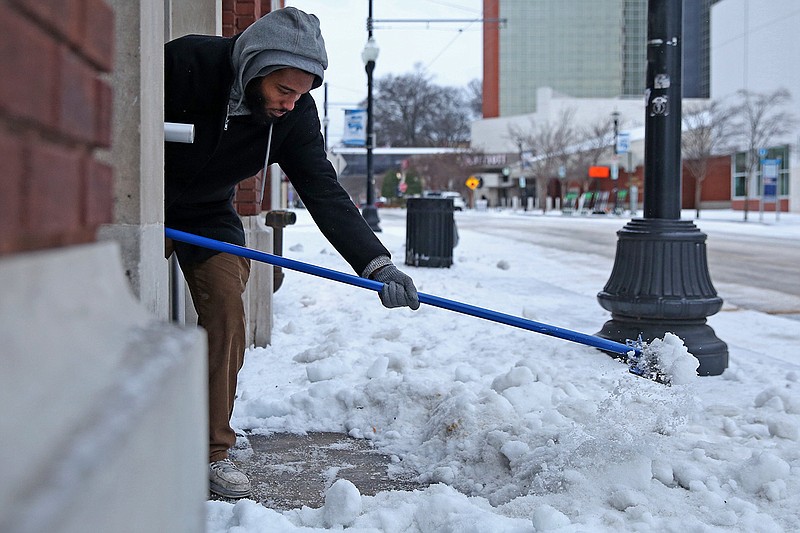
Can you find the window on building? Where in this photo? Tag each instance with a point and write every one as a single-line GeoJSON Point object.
{"type": "Point", "coordinates": [739, 173]}
{"type": "Point", "coordinates": [740, 170]}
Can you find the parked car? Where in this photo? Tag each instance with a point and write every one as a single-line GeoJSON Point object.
{"type": "Point", "coordinates": [458, 202]}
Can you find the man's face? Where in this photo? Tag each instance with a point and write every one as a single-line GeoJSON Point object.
{"type": "Point", "coordinates": [274, 95]}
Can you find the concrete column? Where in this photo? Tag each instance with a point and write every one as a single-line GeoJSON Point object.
{"type": "Point", "coordinates": [258, 295]}
{"type": "Point", "coordinates": [138, 151]}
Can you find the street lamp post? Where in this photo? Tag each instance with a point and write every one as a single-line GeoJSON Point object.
{"type": "Point", "coordinates": [660, 281]}
{"type": "Point", "coordinates": [326, 121]}
{"type": "Point", "coordinates": [615, 163]}
{"type": "Point", "coordinates": [369, 55]}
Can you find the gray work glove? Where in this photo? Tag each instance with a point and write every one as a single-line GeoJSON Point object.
{"type": "Point", "coordinates": [398, 289]}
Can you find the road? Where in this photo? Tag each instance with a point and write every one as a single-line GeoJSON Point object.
{"type": "Point", "coordinates": [748, 271]}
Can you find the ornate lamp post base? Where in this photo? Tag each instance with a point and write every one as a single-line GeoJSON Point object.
{"type": "Point", "coordinates": [370, 214]}
{"type": "Point", "coordinates": [660, 283]}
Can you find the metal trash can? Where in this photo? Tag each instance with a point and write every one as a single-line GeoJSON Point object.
{"type": "Point", "coordinates": [430, 232]}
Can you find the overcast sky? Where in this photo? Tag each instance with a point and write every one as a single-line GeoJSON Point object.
{"type": "Point", "coordinates": [451, 52]}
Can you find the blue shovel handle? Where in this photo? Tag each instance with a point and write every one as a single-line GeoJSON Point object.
{"type": "Point", "coordinates": [436, 301]}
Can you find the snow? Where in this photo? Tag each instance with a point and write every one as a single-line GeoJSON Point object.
{"type": "Point", "coordinates": [516, 431]}
{"type": "Point", "coordinates": [668, 358]}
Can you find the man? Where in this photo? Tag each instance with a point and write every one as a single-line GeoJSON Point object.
{"type": "Point", "coordinates": [247, 97]}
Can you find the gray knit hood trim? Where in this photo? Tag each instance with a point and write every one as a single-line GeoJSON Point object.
{"type": "Point", "coordinates": [280, 39]}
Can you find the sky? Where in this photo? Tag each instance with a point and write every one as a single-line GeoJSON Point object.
{"type": "Point", "coordinates": [514, 431]}
{"type": "Point", "coordinates": [452, 53]}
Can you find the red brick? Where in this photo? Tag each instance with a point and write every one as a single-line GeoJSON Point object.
{"type": "Point", "coordinates": [104, 100]}
{"type": "Point", "coordinates": [247, 185]}
{"type": "Point", "coordinates": [98, 42]}
{"type": "Point", "coordinates": [266, 6]}
{"type": "Point", "coordinates": [12, 169]}
{"type": "Point", "coordinates": [65, 17]}
{"type": "Point", "coordinates": [27, 69]}
{"type": "Point", "coordinates": [76, 97]}
{"type": "Point", "coordinates": [246, 196]}
{"type": "Point", "coordinates": [99, 194]}
{"type": "Point", "coordinates": [244, 7]}
{"type": "Point", "coordinates": [243, 22]}
{"type": "Point", "coordinates": [247, 210]}
{"type": "Point", "coordinates": [54, 191]}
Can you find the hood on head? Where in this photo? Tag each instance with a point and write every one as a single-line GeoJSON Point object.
{"type": "Point", "coordinates": [283, 38]}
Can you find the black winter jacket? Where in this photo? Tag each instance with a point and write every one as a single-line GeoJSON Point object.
{"type": "Point", "coordinates": [200, 177]}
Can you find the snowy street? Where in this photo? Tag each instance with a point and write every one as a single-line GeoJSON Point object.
{"type": "Point", "coordinates": [511, 430]}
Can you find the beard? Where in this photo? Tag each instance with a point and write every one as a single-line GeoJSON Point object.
{"type": "Point", "coordinates": [257, 104]}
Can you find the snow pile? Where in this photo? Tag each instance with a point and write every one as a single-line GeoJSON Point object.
{"type": "Point", "coordinates": [669, 359]}
{"type": "Point", "coordinates": [510, 430]}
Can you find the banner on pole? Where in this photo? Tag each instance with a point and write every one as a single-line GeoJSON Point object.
{"type": "Point", "coordinates": [355, 127]}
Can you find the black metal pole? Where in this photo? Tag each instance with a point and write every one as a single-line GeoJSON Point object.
{"type": "Point", "coordinates": [660, 281]}
{"type": "Point", "coordinates": [615, 189]}
{"type": "Point", "coordinates": [662, 133]}
{"type": "Point", "coordinates": [325, 120]}
{"type": "Point", "coordinates": [370, 212]}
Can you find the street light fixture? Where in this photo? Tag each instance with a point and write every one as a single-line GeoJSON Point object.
{"type": "Point", "coordinates": [368, 56]}
{"type": "Point", "coordinates": [370, 52]}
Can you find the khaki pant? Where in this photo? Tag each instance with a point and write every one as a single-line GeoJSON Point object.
{"type": "Point", "coordinates": [216, 286]}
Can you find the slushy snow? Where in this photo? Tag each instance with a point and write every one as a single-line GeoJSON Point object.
{"type": "Point", "coordinates": [513, 431]}
{"type": "Point", "coordinates": [665, 360]}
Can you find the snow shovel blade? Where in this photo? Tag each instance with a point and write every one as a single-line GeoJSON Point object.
{"type": "Point", "coordinates": [631, 353]}
{"type": "Point", "coordinates": [643, 362]}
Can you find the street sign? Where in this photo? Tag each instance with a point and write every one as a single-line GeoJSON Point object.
{"type": "Point", "coordinates": [599, 172]}
{"type": "Point", "coordinates": [769, 176]}
{"type": "Point", "coordinates": [473, 182]}
{"type": "Point", "coordinates": [623, 142]}
{"type": "Point", "coordinates": [338, 161]}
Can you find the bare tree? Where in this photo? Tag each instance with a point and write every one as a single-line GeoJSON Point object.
{"type": "Point", "coordinates": [410, 110]}
{"type": "Point", "coordinates": [760, 119]}
{"type": "Point", "coordinates": [597, 140]}
{"type": "Point", "coordinates": [707, 132]}
{"type": "Point", "coordinates": [445, 172]}
{"type": "Point", "coordinates": [553, 145]}
{"type": "Point", "coordinates": [475, 98]}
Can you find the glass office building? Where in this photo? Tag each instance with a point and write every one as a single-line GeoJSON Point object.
{"type": "Point", "coordinates": [576, 47]}
{"type": "Point", "coordinates": [580, 48]}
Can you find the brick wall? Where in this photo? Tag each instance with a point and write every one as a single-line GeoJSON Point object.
{"type": "Point", "coordinates": [491, 60]}
{"type": "Point", "coordinates": [716, 185]}
{"type": "Point", "coordinates": [55, 112]}
{"type": "Point", "coordinates": [237, 15]}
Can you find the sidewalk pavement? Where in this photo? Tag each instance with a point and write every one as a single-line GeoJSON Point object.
{"type": "Point", "coordinates": [288, 471]}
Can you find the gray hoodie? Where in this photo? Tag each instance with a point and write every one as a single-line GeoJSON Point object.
{"type": "Point", "coordinates": [283, 38]}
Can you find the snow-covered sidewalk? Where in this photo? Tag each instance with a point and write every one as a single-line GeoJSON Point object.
{"type": "Point", "coordinates": [517, 431]}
